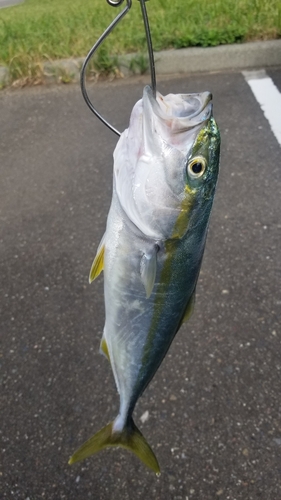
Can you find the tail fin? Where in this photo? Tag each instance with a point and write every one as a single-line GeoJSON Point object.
{"type": "Point", "coordinates": [130, 438]}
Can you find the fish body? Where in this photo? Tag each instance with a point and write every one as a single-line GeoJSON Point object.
{"type": "Point", "coordinates": [165, 172]}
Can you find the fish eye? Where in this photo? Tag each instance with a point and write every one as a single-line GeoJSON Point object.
{"type": "Point", "coordinates": [196, 167]}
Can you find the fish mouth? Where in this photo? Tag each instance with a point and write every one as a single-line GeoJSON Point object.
{"type": "Point", "coordinates": [179, 112]}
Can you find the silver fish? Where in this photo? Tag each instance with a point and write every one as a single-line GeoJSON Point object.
{"type": "Point", "coordinates": [165, 172]}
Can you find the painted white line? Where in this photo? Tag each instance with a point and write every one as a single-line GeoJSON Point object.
{"type": "Point", "coordinates": [269, 98]}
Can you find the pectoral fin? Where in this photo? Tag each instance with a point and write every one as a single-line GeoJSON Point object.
{"type": "Point", "coordinates": [97, 265]}
{"type": "Point", "coordinates": [148, 267]}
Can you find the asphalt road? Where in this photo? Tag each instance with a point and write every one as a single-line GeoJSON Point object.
{"type": "Point", "coordinates": [213, 408]}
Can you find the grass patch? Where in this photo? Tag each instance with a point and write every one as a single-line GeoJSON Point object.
{"type": "Point", "coordinates": [55, 29]}
{"type": "Point", "coordinates": [139, 63]}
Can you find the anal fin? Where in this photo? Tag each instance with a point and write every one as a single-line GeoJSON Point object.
{"type": "Point", "coordinates": [104, 348]}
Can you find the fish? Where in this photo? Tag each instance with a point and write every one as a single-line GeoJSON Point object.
{"type": "Point", "coordinates": [165, 172]}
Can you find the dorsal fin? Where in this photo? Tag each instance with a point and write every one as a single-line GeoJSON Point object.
{"type": "Point", "coordinates": [189, 309]}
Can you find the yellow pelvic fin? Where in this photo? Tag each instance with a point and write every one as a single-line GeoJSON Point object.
{"type": "Point", "coordinates": [130, 438]}
{"type": "Point", "coordinates": [189, 309]}
{"type": "Point", "coordinates": [104, 348]}
{"type": "Point", "coordinates": [97, 265]}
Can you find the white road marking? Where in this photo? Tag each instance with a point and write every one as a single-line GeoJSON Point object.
{"type": "Point", "coordinates": [269, 98]}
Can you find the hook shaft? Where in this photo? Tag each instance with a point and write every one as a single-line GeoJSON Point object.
{"type": "Point", "coordinates": [117, 3]}
{"type": "Point", "coordinates": [149, 46]}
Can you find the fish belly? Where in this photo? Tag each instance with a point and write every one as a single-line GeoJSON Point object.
{"type": "Point", "coordinates": [139, 330]}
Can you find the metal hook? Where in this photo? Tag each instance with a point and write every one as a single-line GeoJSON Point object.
{"type": "Point", "coordinates": [117, 3]}
{"type": "Point", "coordinates": [149, 46]}
{"type": "Point", "coordinates": [114, 3]}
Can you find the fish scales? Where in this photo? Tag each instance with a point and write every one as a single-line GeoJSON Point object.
{"type": "Point", "coordinates": [165, 172]}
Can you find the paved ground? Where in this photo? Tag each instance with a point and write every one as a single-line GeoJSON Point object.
{"type": "Point", "coordinates": [214, 405]}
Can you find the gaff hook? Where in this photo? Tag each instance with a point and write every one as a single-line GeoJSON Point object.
{"type": "Point", "coordinates": [117, 3]}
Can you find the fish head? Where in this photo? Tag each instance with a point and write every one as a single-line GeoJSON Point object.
{"type": "Point", "coordinates": [166, 162]}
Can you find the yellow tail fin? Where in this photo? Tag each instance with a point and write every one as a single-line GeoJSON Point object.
{"type": "Point", "coordinates": [130, 438]}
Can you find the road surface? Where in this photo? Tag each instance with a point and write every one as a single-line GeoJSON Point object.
{"type": "Point", "coordinates": [212, 412]}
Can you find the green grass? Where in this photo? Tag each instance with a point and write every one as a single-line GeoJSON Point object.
{"type": "Point", "coordinates": [40, 30]}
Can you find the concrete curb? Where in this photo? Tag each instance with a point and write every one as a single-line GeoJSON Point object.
{"type": "Point", "coordinates": [9, 3]}
{"type": "Point", "coordinates": [221, 58]}
{"type": "Point", "coordinates": [4, 76]}
{"type": "Point", "coordinates": [252, 55]}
